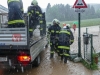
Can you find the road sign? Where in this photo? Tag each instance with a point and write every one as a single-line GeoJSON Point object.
{"type": "Point", "coordinates": [80, 4]}
{"type": "Point", "coordinates": [79, 10]}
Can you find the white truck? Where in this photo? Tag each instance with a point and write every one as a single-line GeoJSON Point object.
{"type": "Point", "coordinates": [17, 49]}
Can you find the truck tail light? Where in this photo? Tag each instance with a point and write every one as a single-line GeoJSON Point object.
{"type": "Point", "coordinates": [23, 58]}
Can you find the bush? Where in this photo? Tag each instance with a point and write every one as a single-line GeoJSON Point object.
{"type": "Point", "coordinates": [92, 66]}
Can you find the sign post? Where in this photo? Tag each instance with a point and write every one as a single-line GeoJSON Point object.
{"type": "Point", "coordinates": [79, 4]}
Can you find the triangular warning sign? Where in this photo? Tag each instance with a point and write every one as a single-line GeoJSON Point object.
{"type": "Point", "coordinates": [79, 4]}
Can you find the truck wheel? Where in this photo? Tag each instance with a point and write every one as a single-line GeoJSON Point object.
{"type": "Point", "coordinates": [37, 61]}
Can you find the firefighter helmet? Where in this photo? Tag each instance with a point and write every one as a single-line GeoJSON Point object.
{"type": "Point", "coordinates": [58, 22]}
{"type": "Point", "coordinates": [68, 26]}
{"type": "Point", "coordinates": [54, 21]}
{"type": "Point", "coordinates": [34, 2]}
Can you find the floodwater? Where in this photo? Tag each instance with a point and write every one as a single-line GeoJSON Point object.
{"type": "Point", "coordinates": [54, 66]}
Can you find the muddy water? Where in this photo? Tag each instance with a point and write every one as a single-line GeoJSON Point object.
{"type": "Point", "coordinates": [54, 67]}
{"type": "Point", "coordinates": [57, 67]}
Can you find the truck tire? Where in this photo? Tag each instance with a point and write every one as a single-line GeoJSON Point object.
{"type": "Point", "coordinates": [37, 61]}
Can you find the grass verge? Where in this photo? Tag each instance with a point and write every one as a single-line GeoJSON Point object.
{"type": "Point", "coordinates": [92, 66]}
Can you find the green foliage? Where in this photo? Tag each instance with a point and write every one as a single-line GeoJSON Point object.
{"type": "Point", "coordinates": [87, 65]}
{"type": "Point", "coordinates": [84, 23]}
{"type": "Point", "coordinates": [95, 55]}
{"type": "Point", "coordinates": [66, 13]}
{"type": "Point", "coordinates": [92, 66]}
{"type": "Point", "coordinates": [90, 22]}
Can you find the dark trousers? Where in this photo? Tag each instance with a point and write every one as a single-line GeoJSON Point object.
{"type": "Point", "coordinates": [15, 15]}
{"type": "Point", "coordinates": [30, 34]}
{"type": "Point", "coordinates": [52, 50]}
{"type": "Point", "coordinates": [64, 53]}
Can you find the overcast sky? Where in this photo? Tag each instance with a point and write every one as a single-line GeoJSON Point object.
{"type": "Point", "coordinates": [43, 3]}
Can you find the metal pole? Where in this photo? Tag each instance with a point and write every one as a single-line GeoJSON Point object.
{"type": "Point", "coordinates": [91, 49]}
{"type": "Point", "coordinates": [79, 36]}
{"type": "Point", "coordinates": [86, 34]}
{"type": "Point", "coordinates": [85, 45]}
{"type": "Point", "coordinates": [86, 30]}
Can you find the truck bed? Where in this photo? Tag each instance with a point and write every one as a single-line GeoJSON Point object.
{"type": "Point", "coordinates": [13, 38]}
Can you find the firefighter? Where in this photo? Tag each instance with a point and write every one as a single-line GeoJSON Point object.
{"type": "Point", "coordinates": [15, 14]}
{"type": "Point", "coordinates": [66, 38]}
{"type": "Point", "coordinates": [54, 31]}
{"type": "Point", "coordinates": [48, 35]}
{"type": "Point", "coordinates": [35, 16]}
{"type": "Point", "coordinates": [56, 46]}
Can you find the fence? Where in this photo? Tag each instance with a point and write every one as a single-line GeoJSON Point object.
{"type": "Point", "coordinates": [93, 43]}
{"type": "Point", "coordinates": [91, 46]}
{"type": "Point", "coordinates": [88, 47]}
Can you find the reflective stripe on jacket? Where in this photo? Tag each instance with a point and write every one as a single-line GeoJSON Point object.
{"type": "Point", "coordinates": [16, 21]}
{"type": "Point", "coordinates": [54, 30]}
{"type": "Point", "coordinates": [12, 1]}
{"type": "Point", "coordinates": [64, 47]}
{"type": "Point", "coordinates": [31, 30]}
{"type": "Point", "coordinates": [66, 32]}
{"type": "Point", "coordinates": [64, 37]}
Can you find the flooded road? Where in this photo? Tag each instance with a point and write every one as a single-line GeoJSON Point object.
{"type": "Point", "coordinates": [54, 66]}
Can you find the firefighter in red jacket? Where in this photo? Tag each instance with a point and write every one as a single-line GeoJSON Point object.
{"type": "Point", "coordinates": [15, 14]}
{"type": "Point", "coordinates": [66, 38]}
{"type": "Point", "coordinates": [35, 16]}
{"type": "Point", "coordinates": [54, 32]}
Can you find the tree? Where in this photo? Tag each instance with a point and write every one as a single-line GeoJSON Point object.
{"type": "Point", "coordinates": [48, 12]}
{"type": "Point", "coordinates": [48, 7]}
{"type": "Point", "coordinates": [67, 13]}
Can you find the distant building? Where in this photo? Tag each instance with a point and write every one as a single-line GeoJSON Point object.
{"type": "Point", "coordinates": [3, 18]}
{"type": "Point", "coordinates": [3, 9]}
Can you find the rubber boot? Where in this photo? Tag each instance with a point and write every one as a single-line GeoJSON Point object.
{"type": "Point", "coordinates": [58, 54]}
{"type": "Point", "coordinates": [51, 55]}
{"type": "Point", "coordinates": [62, 57]}
{"type": "Point", "coordinates": [65, 59]}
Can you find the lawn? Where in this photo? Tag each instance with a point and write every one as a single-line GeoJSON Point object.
{"type": "Point", "coordinates": [84, 23]}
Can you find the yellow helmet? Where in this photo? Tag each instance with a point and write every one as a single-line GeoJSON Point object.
{"type": "Point", "coordinates": [34, 2]}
